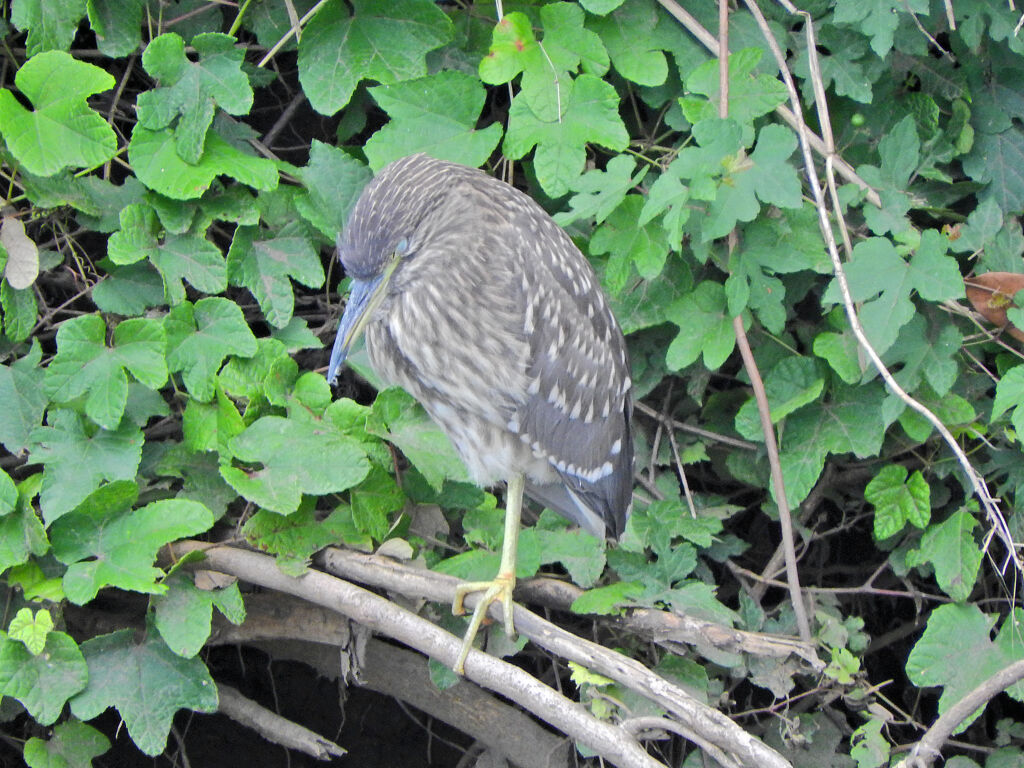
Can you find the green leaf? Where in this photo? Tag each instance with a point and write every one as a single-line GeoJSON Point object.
{"type": "Point", "coordinates": [21, 392]}
{"type": "Point", "coordinates": [1010, 394]}
{"type": "Point", "coordinates": [513, 48]}
{"type": "Point", "coordinates": [8, 493]}
{"type": "Point", "coordinates": [387, 43]}
{"type": "Point", "coordinates": [31, 630]}
{"type": "Point", "coordinates": [436, 114]}
{"type": "Point", "coordinates": [957, 653]}
{"type": "Point", "coordinates": [19, 311]}
{"type": "Point", "coordinates": [399, 419]}
{"type": "Point", "coordinates": [898, 501]}
{"type": "Point", "coordinates": [642, 247]}
{"type": "Point", "coordinates": [129, 290]}
{"type": "Point", "coordinates": [607, 601]}
{"type": "Point", "coordinates": [21, 531]}
{"type": "Point", "coordinates": [951, 409]}
{"type": "Point", "coordinates": [700, 166]}
{"type": "Point", "coordinates": [333, 181]}
{"type": "Point", "coordinates": [868, 747]}
{"type": "Point", "coordinates": [293, 538]}
{"type": "Point", "coordinates": [178, 257]}
{"type": "Point", "coordinates": [789, 385]}
{"type": "Point", "coordinates": [849, 422]}
{"type": "Point", "coordinates": [192, 91]}
{"type": "Point", "coordinates": [704, 327]}
{"type": "Point", "coordinates": [62, 131]}
{"type": "Point", "coordinates": [297, 457]}
{"type": "Point", "coordinates": [42, 682]}
{"type": "Point", "coordinates": [117, 24]}
{"type": "Point", "coordinates": [106, 543]}
{"type": "Point", "coordinates": [635, 52]}
{"type": "Point", "coordinates": [183, 612]}
{"type": "Point", "coordinates": [373, 502]}
{"type": "Point", "coordinates": [146, 681]}
{"type": "Point", "coordinates": [767, 177]}
{"type": "Point", "coordinates": [582, 676]}
{"type": "Point", "coordinates": [997, 161]}
{"type": "Point", "coordinates": [951, 549]}
{"type": "Point", "coordinates": [882, 282]}
{"type": "Point", "coordinates": [750, 95]}
{"type": "Point", "coordinates": [85, 365]}
{"type": "Point", "coordinates": [50, 25]}
{"type": "Point", "coordinates": [598, 192]}
{"type": "Point", "coordinates": [78, 457]}
{"type": "Point", "coordinates": [842, 352]}
{"type": "Point", "coordinates": [577, 551]}
{"type": "Point", "coordinates": [843, 667]}
{"type": "Point", "coordinates": [877, 19]}
{"type": "Point", "coordinates": [591, 114]}
{"type": "Point", "coordinates": [155, 160]}
{"type": "Point", "coordinates": [546, 66]}
{"type": "Point", "coordinates": [72, 745]}
{"type": "Point", "coordinates": [200, 336]}
{"type": "Point", "coordinates": [264, 266]}
{"type": "Point", "coordinates": [841, 60]}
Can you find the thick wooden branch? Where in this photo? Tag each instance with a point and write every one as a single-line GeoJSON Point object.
{"type": "Point", "coordinates": [705, 722]}
{"type": "Point", "coordinates": [384, 617]}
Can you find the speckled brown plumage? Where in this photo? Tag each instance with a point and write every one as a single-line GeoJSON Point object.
{"type": "Point", "coordinates": [496, 323]}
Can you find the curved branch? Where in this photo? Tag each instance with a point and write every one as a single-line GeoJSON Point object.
{"type": "Point", "coordinates": [707, 722]}
{"type": "Point", "coordinates": [927, 749]}
{"type": "Point", "coordinates": [380, 615]}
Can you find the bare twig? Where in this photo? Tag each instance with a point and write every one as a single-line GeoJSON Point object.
{"type": "Point", "coordinates": [760, 396]}
{"type": "Point", "coordinates": [676, 632]}
{"type": "Point", "coordinates": [735, 442]}
{"type": "Point", "coordinates": [272, 727]}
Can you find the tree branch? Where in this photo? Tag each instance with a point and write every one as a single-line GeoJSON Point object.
{"type": "Point", "coordinates": [707, 722]}
{"type": "Point", "coordinates": [381, 616]}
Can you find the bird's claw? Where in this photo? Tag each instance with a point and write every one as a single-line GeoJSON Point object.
{"type": "Point", "coordinates": [498, 589]}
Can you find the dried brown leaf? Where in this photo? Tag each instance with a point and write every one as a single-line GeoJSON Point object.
{"type": "Point", "coordinates": [991, 294]}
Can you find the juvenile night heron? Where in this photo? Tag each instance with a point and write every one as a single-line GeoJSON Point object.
{"type": "Point", "coordinates": [476, 303]}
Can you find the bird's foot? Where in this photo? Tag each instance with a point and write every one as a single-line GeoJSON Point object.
{"type": "Point", "coordinates": [498, 589]}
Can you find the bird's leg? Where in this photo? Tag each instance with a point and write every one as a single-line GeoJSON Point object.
{"type": "Point", "coordinates": [500, 588]}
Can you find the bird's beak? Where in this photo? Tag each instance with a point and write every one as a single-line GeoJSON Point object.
{"type": "Point", "coordinates": [363, 299]}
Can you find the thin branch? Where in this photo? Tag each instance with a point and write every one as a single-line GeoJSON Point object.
{"type": "Point", "coordinates": [735, 442]}
{"type": "Point", "coordinates": [642, 725]}
{"type": "Point", "coordinates": [272, 727]}
{"type": "Point", "coordinates": [760, 395]}
{"type": "Point", "coordinates": [676, 632]}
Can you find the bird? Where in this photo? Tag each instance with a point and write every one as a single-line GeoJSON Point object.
{"type": "Point", "coordinates": [473, 300]}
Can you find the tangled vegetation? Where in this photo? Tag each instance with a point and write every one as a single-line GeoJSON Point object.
{"type": "Point", "coordinates": [836, 227]}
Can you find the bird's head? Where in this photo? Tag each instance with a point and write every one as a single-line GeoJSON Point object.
{"type": "Point", "coordinates": [380, 233]}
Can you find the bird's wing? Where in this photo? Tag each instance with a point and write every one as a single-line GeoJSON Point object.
{"type": "Point", "coordinates": [578, 407]}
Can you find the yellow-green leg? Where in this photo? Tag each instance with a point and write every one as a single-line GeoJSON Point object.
{"type": "Point", "coordinates": [500, 588]}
